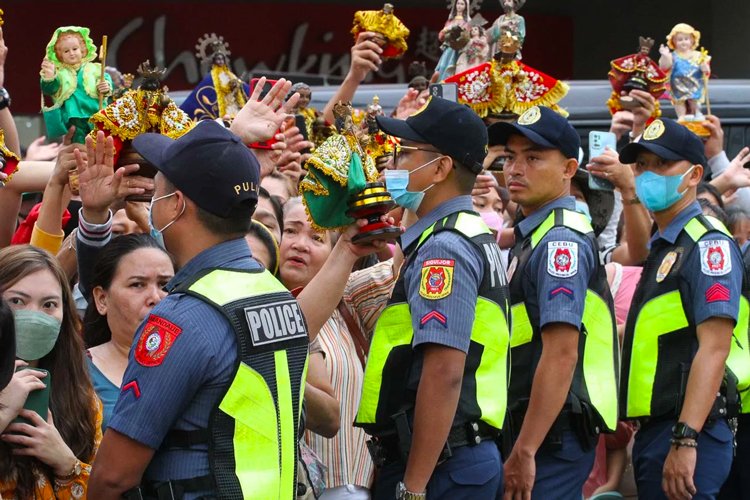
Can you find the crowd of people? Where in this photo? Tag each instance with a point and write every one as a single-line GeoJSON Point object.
{"type": "Point", "coordinates": [527, 336]}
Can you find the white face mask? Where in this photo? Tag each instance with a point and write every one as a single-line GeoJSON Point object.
{"type": "Point", "coordinates": [157, 233]}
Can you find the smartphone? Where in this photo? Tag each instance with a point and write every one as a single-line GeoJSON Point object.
{"type": "Point", "coordinates": [299, 122]}
{"type": "Point", "coordinates": [598, 142]}
{"type": "Point", "coordinates": [448, 91]}
{"type": "Point", "coordinates": [266, 88]}
{"type": "Point", "coordinates": [38, 400]}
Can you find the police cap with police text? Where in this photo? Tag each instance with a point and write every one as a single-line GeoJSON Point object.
{"type": "Point", "coordinates": [209, 164]}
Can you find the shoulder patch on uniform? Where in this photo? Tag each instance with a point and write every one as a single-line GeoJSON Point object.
{"type": "Point", "coordinates": [156, 340]}
{"type": "Point", "coordinates": [716, 259]}
{"type": "Point", "coordinates": [437, 278]}
{"type": "Point", "coordinates": [562, 258]}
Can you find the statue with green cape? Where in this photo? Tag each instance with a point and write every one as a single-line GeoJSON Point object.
{"type": "Point", "coordinates": [342, 185]}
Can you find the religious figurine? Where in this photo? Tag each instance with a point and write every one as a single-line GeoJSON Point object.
{"type": "Point", "coordinates": [72, 81]}
{"type": "Point", "coordinates": [418, 76]}
{"type": "Point", "coordinates": [122, 82]}
{"type": "Point", "coordinates": [316, 128]}
{"type": "Point", "coordinates": [509, 20]}
{"type": "Point", "coordinates": [476, 51]}
{"type": "Point", "coordinates": [689, 70]}
{"type": "Point", "coordinates": [145, 109]}
{"type": "Point", "coordinates": [636, 71]}
{"type": "Point", "coordinates": [505, 87]}
{"type": "Point", "coordinates": [392, 33]}
{"type": "Point", "coordinates": [341, 183]}
{"type": "Point", "coordinates": [453, 37]}
{"type": "Point", "coordinates": [8, 159]}
{"type": "Point", "coordinates": [380, 145]}
{"type": "Point", "coordinates": [221, 93]}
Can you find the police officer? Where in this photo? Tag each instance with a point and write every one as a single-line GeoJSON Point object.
{"type": "Point", "coordinates": [564, 352]}
{"type": "Point", "coordinates": [680, 326]}
{"type": "Point", "coordinates": [210, 399]}
{"type": "Point", "coordinates": [434, 391]}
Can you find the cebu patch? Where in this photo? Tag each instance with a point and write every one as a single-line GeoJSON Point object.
{"type": "Point", "coordinates": [562, 258]}
{"type": "Point", "coordinates": [437, 278]}
{"type": "Point", "coordinates": [716, 259]}
{"type": "Point", "coordinates": [156, 340]}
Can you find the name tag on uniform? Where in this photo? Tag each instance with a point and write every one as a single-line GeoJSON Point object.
{"type": "Point", "coordinates": [275, 322]}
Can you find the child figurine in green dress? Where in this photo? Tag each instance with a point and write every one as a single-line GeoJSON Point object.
{"type": "Point", "coordinates": [72, 81]}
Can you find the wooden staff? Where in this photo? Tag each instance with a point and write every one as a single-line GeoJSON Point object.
{"type": "Point", "coordinates": [705, 58]}
{"type": "Point", "coordinates": [102, 59]}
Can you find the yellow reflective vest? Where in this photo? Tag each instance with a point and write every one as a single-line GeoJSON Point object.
{"type": "Point", "coordinates": [595, 380]}
{"type": "Point", "coordinates": [253, 434]}
{"type": "Point", "coordinates": [385, 390]}
{"type": "Point", "coordinates": [660, 335]}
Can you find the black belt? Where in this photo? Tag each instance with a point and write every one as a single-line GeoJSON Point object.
{"type": "Point", "coordinates": [174, 489]}
{"type": "Point", "coordinates": [385, 449]}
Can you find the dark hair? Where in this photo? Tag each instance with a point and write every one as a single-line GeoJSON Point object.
{"type": "Point", "coordinates": [278, 210]}
{"type": "Point", "coordinates": [235, 225]}
{"type": "Point", "coordinates": [72, 396]}
{"type": "Point", "coordinates": [260, 231]}
{"type": "Point", "coordinates": [7, 344]}
{"type": "Point", "coordinates": [707, 187]}
{"type": "Point", "coordinates": [715, 211]}
{"type": "Point", "coordinates": [96, 330]}
{"type": "Point", "coordinates": [464, 177]}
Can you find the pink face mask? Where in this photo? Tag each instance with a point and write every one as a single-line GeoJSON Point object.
{"type": "Point", "coordinates": [493, 220]}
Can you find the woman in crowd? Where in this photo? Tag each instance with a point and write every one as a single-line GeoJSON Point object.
{"type": "Point", "coordinates": [47, 456]}
{"type": "Point", "coordinates": [129, 275]}
{"type": "Point", "coordinates": [344, 330]}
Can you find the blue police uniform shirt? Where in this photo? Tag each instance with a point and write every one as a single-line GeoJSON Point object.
{"type": "Point", "coordinates": [714, 285]}
{"type": "Point", "coordinates": [448, 320]}
{"type": "Point", "coordinates": [181, 391]}
{"type": "Point", "coordinates": [557, 275]}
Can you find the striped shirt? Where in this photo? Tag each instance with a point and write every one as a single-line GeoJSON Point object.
{"type": "Point", "coordinates": [346, 455]}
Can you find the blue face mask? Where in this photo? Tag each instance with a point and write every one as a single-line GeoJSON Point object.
{"type": "Point", "coordinates": [397, 181]}
{"type": "Point", "coordinates": [583, 207]}
{"type": "Point", "coordinates": [659, 192]}
{"type": "Point", "coordinates": [157, 233]}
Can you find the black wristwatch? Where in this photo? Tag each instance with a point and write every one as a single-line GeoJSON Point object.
{"type": "Point", "coordinates": [681, 430]}
{"type": "Point", "coordinates": [4, 98]}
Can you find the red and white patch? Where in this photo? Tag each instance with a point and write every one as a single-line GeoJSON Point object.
{"type": "Point", "coordinates": [716, 259]}
{"type": "Point", "coordinates": [156, 340]}
{"type": "Point", "coordinates": [562, 258]}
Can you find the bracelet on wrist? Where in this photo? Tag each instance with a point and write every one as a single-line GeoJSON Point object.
{"type": "Point", "coordinates": [683, 443]}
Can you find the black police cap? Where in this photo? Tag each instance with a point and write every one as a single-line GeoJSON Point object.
{"type": "Point", "coordinates": [209, 164]}
{"type": "Point", "coordinates": [543, 127]}
{"type": "Point", "coordinates": [452, 128]}
{"type": "Point", "coordinates": [668, 140]}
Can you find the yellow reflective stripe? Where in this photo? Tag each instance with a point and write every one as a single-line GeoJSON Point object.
{"type": "Point", "coordinates": [739, 354]}
{"type": "Point", "coordinates": [522, 331]}
{"type": "Point", "coordinates": [598, 368]}
{"type": "Point", "coordinates": [302, 388]}
{"type": "Point", "coordinates": [250, 403]}
{"type": "Point", "coordinates": [393, 329]}
{"type": "Point", "coordinates": [577, 221]}
{"type": "Point", "coordinates": [286, 421]}
{"type": "Point", "coordinates": [660, 315]}
{"type": "Point", "coordinates": [717, 224]}
{"type": "Point", "coordinates": [426, 234]}
{"type": "Point", "coordinates": [244, 285]}
{"type": "Point", "coordinates": [542, 229]}
{"type": "Point", "coordinates": [471, 225]}
{"type": "Point", "coordinates": [491, 331]}
{"type": "Point", "coordinates": [695, 229]}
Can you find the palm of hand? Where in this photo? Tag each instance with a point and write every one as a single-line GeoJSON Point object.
{"type": "Point", "coordinates": [256, 121]}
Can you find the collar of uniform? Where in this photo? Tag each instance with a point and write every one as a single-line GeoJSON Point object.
{"type": "Point", "coordinates": [457, 204]}
{"type": "Point", "coordinates": [528, 224]}
{"type": "Point", "coordinates": [215, 256]}
{"type": "Point", "coordinates": [673, 229]}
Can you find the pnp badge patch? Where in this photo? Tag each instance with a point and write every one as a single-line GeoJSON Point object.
{"type": "Point", "coordinates": [437, 278]}
{"type": "Point", "coordinates": [716, 259]}
{"type": "Point", "coordinates": [562, 258]}
{"type": "Point", "coordinates": [156, 340]}
{"type": "Point", "coordinates": [654, 131]}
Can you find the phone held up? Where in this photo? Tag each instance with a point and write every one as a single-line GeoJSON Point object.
{"type": "Point", "coordinates": [598, 142]}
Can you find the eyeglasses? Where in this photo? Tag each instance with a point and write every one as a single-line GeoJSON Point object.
{"type": "Point", "coordinates": [399, 149]}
